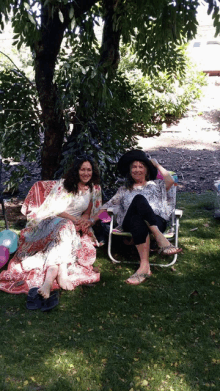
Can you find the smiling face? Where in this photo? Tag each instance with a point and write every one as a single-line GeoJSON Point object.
{"type": "Point", "coordinates": [85, 172]}
{"type": "Point", "coordinates": [138, 171]}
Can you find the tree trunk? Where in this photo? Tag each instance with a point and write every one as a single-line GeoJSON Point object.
{"type": "Point", "coordinates": [110, 56]}
{"type": "Point", "coordinates": [46, 51]}
{"type": "Point", "coordinates": [54, 126]}
{"type": "Point", "coordinates": [109, 60]}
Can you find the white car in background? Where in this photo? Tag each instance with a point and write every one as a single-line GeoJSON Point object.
{"type": "Point", "coordinates": [206, 54]}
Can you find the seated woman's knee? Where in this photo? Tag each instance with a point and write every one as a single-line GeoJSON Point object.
{"type": "Point", "coordinates": [138, 198]}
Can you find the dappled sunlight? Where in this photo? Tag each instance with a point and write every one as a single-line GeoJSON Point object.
{"type": "Point", "coordinates": [196, 168]}
{"type": "Point", "coordinates": [191, 145]}
{"type": "Point", "coordinates": [161, 335]}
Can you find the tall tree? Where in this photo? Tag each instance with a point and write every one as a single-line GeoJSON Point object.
{"type": "Point", "coordinates": [153, 28]}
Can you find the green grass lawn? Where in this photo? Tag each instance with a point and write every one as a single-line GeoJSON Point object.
{"type": "Point", "coordinates": [161, 335]}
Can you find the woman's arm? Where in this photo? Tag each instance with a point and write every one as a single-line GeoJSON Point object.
{"type": "Point", "coordinates": [95, 218]}
{"type": "Point", "coordinates": [85, 220]}
{"type": "Point", "coordinates": [111, 204]}
{"type": "Point", "coordinates": [166, 175]}
{"type": "Point", "coordinates": [65, 215]}
{"type": "Point", "coordinates": [80, 223]}
{"type": "Point", "coordinates": [87, 212]}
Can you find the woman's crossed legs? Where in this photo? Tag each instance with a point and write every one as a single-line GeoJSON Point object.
{"type": "Point", "coordinates": [141, 220]}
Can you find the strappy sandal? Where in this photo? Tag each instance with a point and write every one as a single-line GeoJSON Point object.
{"type": "Point", "coordinates": [139, 277]}
{"type": "Point", "coordinates": [169, 250]}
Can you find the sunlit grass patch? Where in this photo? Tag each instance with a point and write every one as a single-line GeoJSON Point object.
{"type": "Point", "coordinates": [162, 335]}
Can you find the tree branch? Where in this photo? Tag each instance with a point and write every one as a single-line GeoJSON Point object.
{"type": "Point", "coordinates": [110, 56]}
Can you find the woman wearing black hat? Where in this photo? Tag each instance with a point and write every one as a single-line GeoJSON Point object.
{"type": "Point", "coordinates": [143, 206]}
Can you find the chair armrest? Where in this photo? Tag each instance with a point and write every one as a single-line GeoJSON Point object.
{"type": "Point", "coordinates": [178, 212]}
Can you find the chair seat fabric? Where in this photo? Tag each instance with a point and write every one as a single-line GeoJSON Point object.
{"type": "Point", "coordinates": [54, 240]}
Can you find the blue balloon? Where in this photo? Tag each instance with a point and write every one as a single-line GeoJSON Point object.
{"type": "Point", "coordinates": [9, 239]}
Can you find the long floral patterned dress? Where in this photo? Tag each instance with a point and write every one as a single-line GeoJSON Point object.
{"type": "Point", "coordinates": [51, 240]}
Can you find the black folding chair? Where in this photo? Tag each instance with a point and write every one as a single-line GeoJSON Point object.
{"type": "Point", "coordinates": [1, 196]}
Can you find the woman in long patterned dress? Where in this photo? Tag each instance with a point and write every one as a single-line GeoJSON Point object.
{"type": "Point", "coordinates": [56, 249]}
{"type": "Point", "coordinates": [143, 206]}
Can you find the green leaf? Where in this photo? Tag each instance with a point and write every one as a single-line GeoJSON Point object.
{"type": "Point", "coordinates": [30, 17]}
{"type": "Point", "coordinates": [26, 6]}
{"type": "Point", "coordinates": [71, 13]}
{"type": "Point", "coordinates": [73, 23]}
{"type": "Point", "coordinates": [61, 16]}
{"type": "Point", "coordinates": [19, 44]}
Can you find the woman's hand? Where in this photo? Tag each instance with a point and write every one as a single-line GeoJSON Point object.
{"type": "Point", "coordinates": [83, 224]}
{"type": "Point", "coordinates": [83, 219]}
{"type": "Point", "coordinates": [155, 162]}
{"type": "Point", "coordinates": [166, 175]}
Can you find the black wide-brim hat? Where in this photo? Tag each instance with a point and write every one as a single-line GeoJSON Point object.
{"type": "Point", "coordinates": [136, 155]}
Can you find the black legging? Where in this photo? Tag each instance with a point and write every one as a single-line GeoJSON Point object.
{"type": "Point", "coordinates": [135, 219]}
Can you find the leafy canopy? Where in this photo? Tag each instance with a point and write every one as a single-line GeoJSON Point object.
{"type": "Point", "coordinates": [152, 28]}
{"type": "Point", "coordinates": [88, 93]}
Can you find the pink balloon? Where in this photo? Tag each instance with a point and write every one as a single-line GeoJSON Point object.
{"type": "Point", "coordinates": [4, 255]}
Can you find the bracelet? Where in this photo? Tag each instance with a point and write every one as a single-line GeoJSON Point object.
{"type": "Point", "coordinates": [92, 220]}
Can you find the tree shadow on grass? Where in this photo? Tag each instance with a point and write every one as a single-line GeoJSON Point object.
{"type": "Point", "coordinates": [197, 169]}
{"type": "Point", "coordinates": [113, 336]}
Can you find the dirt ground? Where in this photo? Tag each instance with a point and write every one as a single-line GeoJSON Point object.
{"type": "Point", "coordinates": [190, 147]}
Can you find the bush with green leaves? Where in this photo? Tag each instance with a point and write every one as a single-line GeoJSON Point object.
{"type": "Point", "coordinates": [157, 98]}
{"type": "Point", "coordinates": [103, 111]}
{"type": "Point", "coordinates": [99, 105]}
{"type": "Point", "coordinates": [20, 123]}
{"type": "Point", "coordinates": [113, 109]}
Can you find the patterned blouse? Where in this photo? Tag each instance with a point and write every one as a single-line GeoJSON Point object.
{"type": "Point", "coordinates": [161, 201]}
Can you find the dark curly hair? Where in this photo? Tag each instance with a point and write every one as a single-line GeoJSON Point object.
{"type": "Point", "coordinates": [129, 181]}
{"type": "Point", "coordinates": [71, 178]}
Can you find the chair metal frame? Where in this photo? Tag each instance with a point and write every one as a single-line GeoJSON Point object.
{"type": "Point", "coordinates": [1, 197]}
{"type": "Point", "coordinates": [174, 229]}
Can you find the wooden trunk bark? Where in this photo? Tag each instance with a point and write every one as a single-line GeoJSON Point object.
{"type": "Point", "coordinates": [54, 126]}
{"type": "Point", "coordinates": [109, 60]}
{"type": "Point", "coordinates": [110, 56]}
{"type": "Point", "coordinates": [46, 51]}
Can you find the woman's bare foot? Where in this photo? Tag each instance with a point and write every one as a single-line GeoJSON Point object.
{"type": "Point", "coordinates": [44, 290]}
{"type": "Point", "coordinates": [169, 250]}
{"type": "Point", "coordinates": [140, 275]}
{"type": "Point", "coordinates": [138, 278]}
{"type": "Point", "coordinates": [51, 274]}
{"type": "Point", "coordinates": [64, 282]}
{"type": "Point", "coordinates": [163, 243]}
{"type": "Point", "coordinates": [63, 279]}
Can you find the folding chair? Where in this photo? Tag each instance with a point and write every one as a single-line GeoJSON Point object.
{"type": "Point", "coordinates": [172, 233]}
{"type": "Point", "coordinates": [1, 196]}
{"type": "Point", "coordinates": [217, 199]}
{"type": "Point", "coordinates": [36, 196]}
